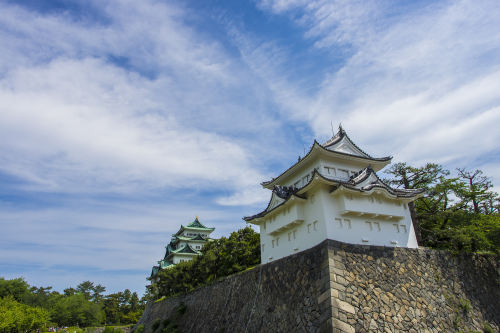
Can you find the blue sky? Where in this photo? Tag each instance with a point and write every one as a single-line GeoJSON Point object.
{"type": "Point", "coordinates": [121, 120]}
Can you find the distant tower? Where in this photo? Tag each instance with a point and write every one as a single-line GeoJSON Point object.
{"type": "Point", "coordinates": [333, 192]}
{"type": "Point", "coordinates": [184, 246]}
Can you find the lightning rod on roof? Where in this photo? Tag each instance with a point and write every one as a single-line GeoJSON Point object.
{"type": "Point", "coordinates": [331, 124]}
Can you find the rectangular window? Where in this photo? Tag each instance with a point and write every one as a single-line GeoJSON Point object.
{"type": "Point", "coordinates": [309, 228]}
{"type": "Point", "coordinates": [377, 225]}
{"type": "Point", "coordinates": [369, 225]}
{"type": "Point", "coordinates": [330, 171]}
{"type": "Point", "coordinates": [296, 184]}
{"type": "Point", "coordinates": [289, 236]}
{"type": "Point", "coordinates": [294, 234]}
{"type": "Point", "coordinates": [263, 247]}
{"type": "Point", "coordinates": [277, 241]}
{"type": "Point", "coordinates": [347, 223]}
{"type": "Point", "coordinates": [339, 222]}
{"type": "Point", "coordinates": [396, 226]}
{"type": "Point", "coordinates": [404, 228]}
{"type": "Point", "coordinates": [344, 174]}
{"type": "Point", "coordinates": [315, 225]}
{"type": "Point", "coordinates": [273, 243]}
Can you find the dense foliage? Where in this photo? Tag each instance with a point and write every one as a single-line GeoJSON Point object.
{"type": "Point", "coordinates": [26, 308]}
{"type": "Point", "coordinates": [458, 212]}
{"type": "Point", "coordinates": [16, 316]}
{"type": "Point", "coordinates": [219, 258]}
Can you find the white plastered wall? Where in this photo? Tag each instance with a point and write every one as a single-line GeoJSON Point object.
{"type": "Point", "coordinates": [323, 219]}
{"type": "Point", "coordinates": [305, 235]}
{"type": "Point", "coordinates": [369, 230]}
{"type": "Point", "coordinates": [178, 257]}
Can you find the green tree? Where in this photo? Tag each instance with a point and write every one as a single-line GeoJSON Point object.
{"type": "Point", "coordinates": [112, 308]}
{"type": "Point", "coordinates": [97, 293]}
{"type": "Point", "coordinates": [86, 288]}
{"type": "Point", "coordinates": [76, 310]}
{"type": "Point", "coordinates": [220, 257]}
{"type": "Point", "coordinates": [453, 214]}
{"type": "Point", "coordinates": [408, 177]}
{"type": "Point", "coordinates": [17, 288]}
{"type": "Point", "coordinates": [477, 193]}
{"type": "Point", "coordinates": [15, 316]}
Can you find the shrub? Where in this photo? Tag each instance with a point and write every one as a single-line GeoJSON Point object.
{"type": "Point", "coordinates": [156, 324]}
{"type": "Point", "coordinates": [181, 309]}
{"type": "Point", "coordinates": [487, 328]}
{"type": "Point", "coordinates": [108, 329]}
{"type": "Point", "coordinates": [139, 329]}
{"type": "Point", "coordinates": [464, 305]}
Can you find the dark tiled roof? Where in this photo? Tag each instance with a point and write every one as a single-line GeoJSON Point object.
{"type": "Point", "coordinates": [353, 181]}
{"type": "Point", "coordinates": [336, 138]}
{"type": "Point", "coordinates": [342, 134]}
{"type": "Point", "coordinates": [378, 183]}
{"type": "Point", "coordinates": [284, 193]}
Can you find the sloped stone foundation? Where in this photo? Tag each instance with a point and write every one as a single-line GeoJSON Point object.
{"type": "Point", "coordinates": [338, 287]}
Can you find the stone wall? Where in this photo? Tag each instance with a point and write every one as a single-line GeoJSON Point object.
{"type": "Point", "coordinates": [411, 290]}
{"type": "Point", "coordinates": [337, 287]}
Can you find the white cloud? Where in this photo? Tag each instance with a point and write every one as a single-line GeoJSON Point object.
{"type": "Point", "coordinates": [419, 84]}
{"type": "Point", "coordinates": [72, 121]}
{"type": "Point", "coordinates": [86, 120]}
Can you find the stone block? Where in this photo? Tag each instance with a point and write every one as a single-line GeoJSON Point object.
{"type": "Point", "coordinates": [344, 327]}
{"type": "Point", "coordinates": [344, 306]}
{"type": "Point", "coordinates": [324, 296]}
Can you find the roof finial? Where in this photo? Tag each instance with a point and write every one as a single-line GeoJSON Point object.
{"type": "Point", "coordinates": [196, 217]}
{"type": "Point", "coordinates": [340, 128]}
{"type": "Point", "coordinates": [331, 124]}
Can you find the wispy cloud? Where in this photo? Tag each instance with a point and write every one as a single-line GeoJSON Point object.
{"type": "Point", "coordinates": [419, 81]}
{"type": "Point", "coordinates": [74, 120]}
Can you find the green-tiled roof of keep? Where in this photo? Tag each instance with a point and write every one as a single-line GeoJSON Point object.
{"type": "Point", "coordinates": [197, 224]}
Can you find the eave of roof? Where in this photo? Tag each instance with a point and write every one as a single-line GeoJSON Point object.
{"type": "Point", "coordinates": [383, 161]}
{"type": "Point", "coordinates": [343, 134]}
{"type": "Point", "coordinates": [182, 228]}
{"type": "Point", "coordinates": [350, 185]}
{"type": "Point", "coordinates": [186, 249]}
{"type": "Point", "coordinates": [292, 196]}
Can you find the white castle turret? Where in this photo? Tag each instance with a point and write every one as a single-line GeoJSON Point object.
{"type": "Point", "coordinates": [333, 192]}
